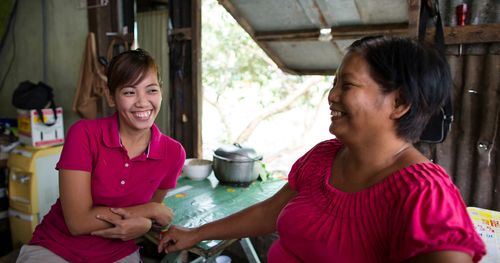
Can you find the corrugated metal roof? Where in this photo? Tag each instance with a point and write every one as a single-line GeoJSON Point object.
{"type": "Point", "coordinates": [288, 30]}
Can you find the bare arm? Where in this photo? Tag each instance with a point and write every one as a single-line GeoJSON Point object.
{"type": "Point", "coordinates": [256, 220]}
{"type": "Point", "coordinates": [442, 257]}
{"type": "Point", "coordinates": [159, 195]}
{"type": "Point", "coordinates": [80, 215]}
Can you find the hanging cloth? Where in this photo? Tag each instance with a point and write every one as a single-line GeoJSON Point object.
{"type": "Point", "coordinates": [92, 83]}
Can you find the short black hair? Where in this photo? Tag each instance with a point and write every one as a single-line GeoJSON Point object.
{"type": "Point", "coordinates": [129, 68]}
{"type": "Point", "coordinates": [420, 74]}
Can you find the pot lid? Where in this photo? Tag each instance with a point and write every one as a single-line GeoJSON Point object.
{"type": "Point", "coordinates": [236, 152]}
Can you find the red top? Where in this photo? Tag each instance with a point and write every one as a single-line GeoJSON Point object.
{"type": "Point", "coordinates": [116, 180]}
{"type": "Point", "coordinates": [415, 210]}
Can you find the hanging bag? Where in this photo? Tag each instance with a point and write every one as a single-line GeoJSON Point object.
{"type": "Point", "coordinates": [117, 45]}
{"type": "Point", "coordinates": [30, 96]}
{"type": "Point", "coordinates": [439, 124]}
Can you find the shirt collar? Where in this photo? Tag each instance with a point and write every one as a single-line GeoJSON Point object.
{"type": "Point", "coordinates": [111, 137]}
{"type": "Point", "coordinates": [156, 150]}
{"type": "Point", "coordinates": [111, 131]}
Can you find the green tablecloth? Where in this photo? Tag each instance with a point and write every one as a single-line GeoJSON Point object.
{"type": "Point", "coordinates": [198, 202]}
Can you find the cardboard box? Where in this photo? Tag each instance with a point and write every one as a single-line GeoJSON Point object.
{"type": "Point", "coordinates": [32, 132]}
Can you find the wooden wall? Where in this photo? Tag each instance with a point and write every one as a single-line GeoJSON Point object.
{"type": "Point", "coordinates": [470, 153]}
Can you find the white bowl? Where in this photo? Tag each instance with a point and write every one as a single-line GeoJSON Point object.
{"type": "Point", "coordinates": [197, 169]}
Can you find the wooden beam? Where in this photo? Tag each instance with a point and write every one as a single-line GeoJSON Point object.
{"type": "Point", "coordinates": [349, 32]}
{"type": "Point", "coordinates": [197, 92]}
{"type": "Point", "coordinates": [293, 35]}
{"type": "Point", "coordinates": [100, 23]}
{"type": "Point", "coordinates": [185, 74]}
{"type": "Point", "coordinates": [414, 7]}
{"type": "Point", "coordinates": [469, 34]}
{"type": "Point", "coordinates": [338, 33]}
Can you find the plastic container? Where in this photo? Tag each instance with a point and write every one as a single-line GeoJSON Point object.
{"type": "Point", "coordinates": [197, 169]}
{"type": "Point", "coordinates": [223, 259]}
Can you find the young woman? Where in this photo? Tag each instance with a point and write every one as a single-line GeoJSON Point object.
{"type": "Point", "coordinates": [113, 175]}
{"type": "Point", "coordinates": [368, 195]}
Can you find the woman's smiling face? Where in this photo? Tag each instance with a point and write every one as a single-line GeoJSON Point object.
{"type": "Point", "coordinates": [358, 106]}
{"type": "Point", "coordinates": [139, 104]}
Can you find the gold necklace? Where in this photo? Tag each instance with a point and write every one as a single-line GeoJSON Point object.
{"type": "Point", "coordinates": [375, 175]}
{"type": "Point", "coordinates": [403, 148]}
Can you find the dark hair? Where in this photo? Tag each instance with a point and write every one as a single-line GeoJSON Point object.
{"type": "Point", "coordinates": [420, 74]}
{"type": "Point", "coordinates": [129, 68]}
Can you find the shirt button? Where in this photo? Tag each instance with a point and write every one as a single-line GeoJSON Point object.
{"type": "Point", "coordinates": [126, 164]}
{"type": "Point", "coordinates": [122, 182]}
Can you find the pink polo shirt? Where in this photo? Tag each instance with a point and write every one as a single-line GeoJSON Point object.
{"type": "Point", "coordinates": [116, 180]}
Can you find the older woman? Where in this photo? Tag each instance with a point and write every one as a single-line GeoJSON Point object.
{"type": "Point", "coordinates": [368, 195]}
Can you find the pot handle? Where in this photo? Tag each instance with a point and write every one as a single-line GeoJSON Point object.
{"type": "Point", "coordinates": [223, 158]}
{"type": "Point", "coordinates": [258, 158]}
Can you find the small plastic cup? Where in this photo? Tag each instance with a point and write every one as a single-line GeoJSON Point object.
{"type": "Point", "coordinates": [223, 259]}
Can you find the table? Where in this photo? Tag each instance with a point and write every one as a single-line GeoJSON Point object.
{"type": "Point", "coordinates": [198, 202]}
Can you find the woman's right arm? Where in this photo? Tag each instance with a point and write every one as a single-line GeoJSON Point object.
{"type": "Point", "coordinates": [81, 216]}
{"type": "Point", "coordinates": [256, 220]}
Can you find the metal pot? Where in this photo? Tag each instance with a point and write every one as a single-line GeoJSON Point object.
{"type": "Point", "coordinates": [235, 164]}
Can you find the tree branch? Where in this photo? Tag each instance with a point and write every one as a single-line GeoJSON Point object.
{"type": "Point", "coordinates": [295, 145]}
{"type": "Point", "coordinates": [274, 109]}
{"type": "Point", "coordinates": [223, 117]}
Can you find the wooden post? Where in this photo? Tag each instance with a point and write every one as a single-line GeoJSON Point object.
{"type": "Point", "coordinates": [185, 74]}
{"type": "Point", "coordinates": [414, 7]}
{"type": "Point", "coordinates": [100, 22]}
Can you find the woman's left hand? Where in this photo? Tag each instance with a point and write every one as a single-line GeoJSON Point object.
{"type": "Point", "coordinates": [163, 214]}
{"type": "Point", "coordinates": [127, 228]}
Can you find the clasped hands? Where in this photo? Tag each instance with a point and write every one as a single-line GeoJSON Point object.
{"type": "Point", "coordinates": [131, 226]}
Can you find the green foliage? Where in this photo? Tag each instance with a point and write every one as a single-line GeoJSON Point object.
{"type": "Point", "coordinates": [232, 60]}
{"type": "Point", "coordinates": [264, 174]}
{"type": "Point", "coordinates": [235, 68]}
